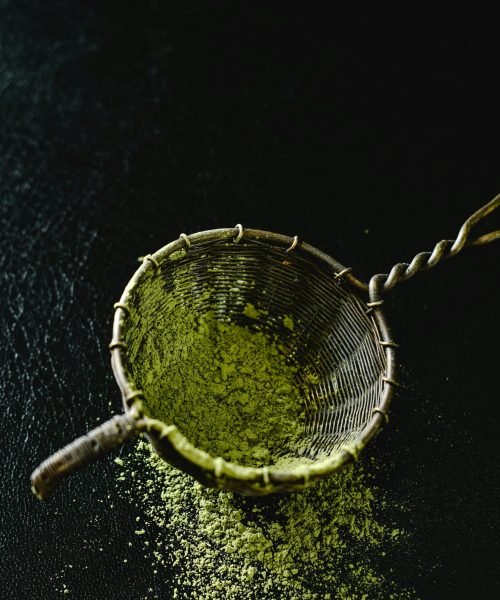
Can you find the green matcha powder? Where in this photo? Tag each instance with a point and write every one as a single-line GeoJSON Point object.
{"type": "Point", "coordinates": [232, 391]}
{"type": "Point", "coordinates": [207, 544]}
{"type": "Point", "coordinates": [229, 388]}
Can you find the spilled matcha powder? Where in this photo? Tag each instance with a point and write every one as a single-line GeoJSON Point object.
{"type": "Point", "coordinates": [208, 544]}
{"type": "Point", "coordinates": [223, 371]}
{"type": "Point", "coordinates": [229, 388]}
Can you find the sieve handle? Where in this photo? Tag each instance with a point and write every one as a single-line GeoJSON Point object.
{"type": "Point", "coordinates": [81, 452]}
{"type": "Point", "coordinates": [444, 249]}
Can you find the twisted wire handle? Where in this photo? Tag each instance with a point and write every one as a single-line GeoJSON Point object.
{"type": "Point", "coordinates": [444, 249]}
{"type": "Point", "coordinates": [81, 452]}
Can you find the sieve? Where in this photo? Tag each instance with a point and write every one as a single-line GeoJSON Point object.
{"type": "Point", "coordinates": [340, 335]}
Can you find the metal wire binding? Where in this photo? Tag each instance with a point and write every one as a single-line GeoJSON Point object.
{"type": "Point", "coordinates": [239, 228]}
{"type": "Point", "coordinates": [218, 466]}
{"type": "Point", "coordinates": [372, 305]}
{"type": "Point", "coordinates": [444, 249]}
{"type": "Point", "coordinates": [388, 343]}
{"type": "Point", "coordinates": [132, 395]}
{"type": "Point", "coordinates": [123, 306]}
{"type": "Point", "coordinates": [153, 261]}
{"type": "Point", "coordinates": [295, 241]}
{"type": "Point", "coordinates": [265, 475]}
{"type": "Point", "coordinates": [339, 276]}
{"type": "Point", "coordinates": [186, 240]}
{"type": "Point", "coordinates": [117, 344]}
{"type": "Point", "coordinates": [354, 453]}
{"type": "Point", "coordinates": [382, 412]}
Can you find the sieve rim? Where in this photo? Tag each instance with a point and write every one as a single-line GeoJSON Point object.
{"type": "Point", "coordinates": [215, 471]}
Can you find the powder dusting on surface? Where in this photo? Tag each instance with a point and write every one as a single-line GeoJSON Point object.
{"type": "Point", "coordinates": [210, 544]}
{"type": "Point", "coordinates": [232, 388]}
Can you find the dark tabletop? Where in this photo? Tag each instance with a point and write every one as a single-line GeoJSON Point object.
{"type": "Point", "coordinates": [370, 134]}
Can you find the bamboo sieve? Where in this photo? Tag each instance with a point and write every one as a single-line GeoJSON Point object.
{"type": "Point", "coordinates": [341, 334]}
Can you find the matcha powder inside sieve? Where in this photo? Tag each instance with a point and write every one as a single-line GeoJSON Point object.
{"type": "Point", "coordinates": [229, 388]}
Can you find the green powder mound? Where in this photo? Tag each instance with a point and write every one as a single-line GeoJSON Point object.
{"type": "Point", "coordinates": [229, 388]}
{"type": "Point", "coordinates": [210, 544]}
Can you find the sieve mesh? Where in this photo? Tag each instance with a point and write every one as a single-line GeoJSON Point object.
{"type": "Point", "coordinates": [333, 339]}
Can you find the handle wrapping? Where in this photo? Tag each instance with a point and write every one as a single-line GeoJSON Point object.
{"type": "Point", "coordinates": [444, 249]}
{"type": "Point", "coordinates": [81, 452]}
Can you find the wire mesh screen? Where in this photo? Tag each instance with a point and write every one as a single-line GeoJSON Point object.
{"type": "Point", "coordinates": [333, 340]}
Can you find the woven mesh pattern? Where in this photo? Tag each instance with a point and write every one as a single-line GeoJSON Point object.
{"type": "Point", "coordinates": [333, 339]}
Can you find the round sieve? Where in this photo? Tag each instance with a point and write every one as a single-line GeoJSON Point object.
{"type": "Point", "coordinates": [340, 337]}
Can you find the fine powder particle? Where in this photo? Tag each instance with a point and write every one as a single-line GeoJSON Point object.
{"type": "Point", "coordinates": [209, 544]}
{"type": "Point", "coordinates": [229, 388]}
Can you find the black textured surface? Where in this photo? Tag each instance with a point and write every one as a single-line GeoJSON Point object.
{"type": "Point", "coordinates": [123, 125]}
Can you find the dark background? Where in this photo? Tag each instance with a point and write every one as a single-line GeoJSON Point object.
{"type": "Point", "coordinates": [371, 134]}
